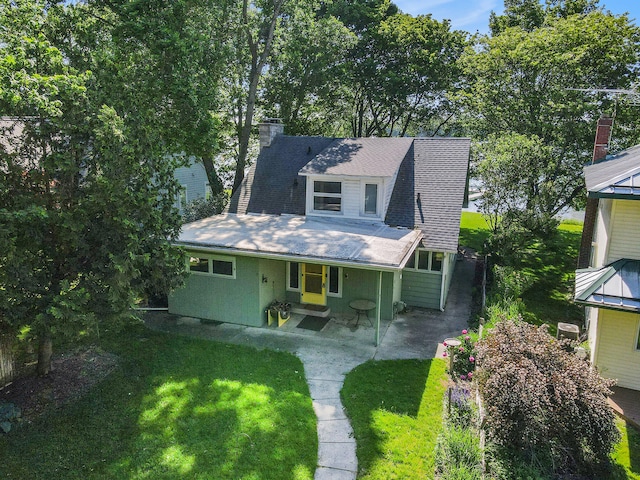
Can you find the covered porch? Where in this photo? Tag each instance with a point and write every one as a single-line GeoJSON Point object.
{"type": "Point", "coordinates": [239, 265]}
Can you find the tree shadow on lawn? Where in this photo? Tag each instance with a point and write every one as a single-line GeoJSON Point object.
{"type": "Point", "coordinates": [552, 264]}
{"type": "Point", "coordinates": [180, 408]}
{"type": "Point", "coordinates": [395, 408]}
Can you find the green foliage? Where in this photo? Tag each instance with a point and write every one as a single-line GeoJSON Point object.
{"type": "Point", "coordinates": [9, 414]}
{"type": "Point", "coordinates": [395, 408]}
{"type": "Point", "coordinates": [86, 203]}
{"type": "Point", "coordinates": [509, 283]}
{"type": "Point", "coordinates": [462, 357]}
{"type": "Point", "coordinates": [543, 403]}
{"type": "Point", "coordinates": [176, 408]}
{"type": "Point", "coordinates": [459, 454]}
{"type": "Point", "coordinates": [535, 133]}
{"type": "Point", "coordinates": [204, 207]}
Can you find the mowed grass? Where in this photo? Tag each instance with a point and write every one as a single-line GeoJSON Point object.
{"type": "Point", "coordinates": [550, 264]}
{"type": "Point", "coordinates": [474, 230]}
{"type": "Point", "coordinates": [626, 456]}
{"type": "Point", "coordinates": [176, 408]}
{"type": "Point", "coordinates": [395, 408]}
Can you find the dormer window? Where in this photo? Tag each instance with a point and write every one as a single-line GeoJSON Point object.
{"type": "Point", "coordinates": [327, 196]}
{"type": "Point", "coordinates": [371, 199]}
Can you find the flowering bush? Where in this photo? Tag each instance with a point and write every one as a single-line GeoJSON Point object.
{"type": "Point", "coordinates": [543, 402]}
{"type": "Point", "coordinates": [463, 363]}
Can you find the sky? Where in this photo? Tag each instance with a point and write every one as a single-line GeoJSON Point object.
{"type": "Point", "coordinates": [474, 15]}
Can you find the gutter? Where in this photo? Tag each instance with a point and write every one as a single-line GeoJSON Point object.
{"type": "Point", "coordinates": [301, 258]}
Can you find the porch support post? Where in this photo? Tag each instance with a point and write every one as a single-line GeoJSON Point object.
{"type": "Point", "coordinates": [379, 303]}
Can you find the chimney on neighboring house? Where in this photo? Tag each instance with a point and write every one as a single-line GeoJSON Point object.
{"type": "Point", "coordinates": [600, 149]}
{"type": "Point", "coordinates": [269, 129]}
{"type": "Point", "coordinates": [603, 136]}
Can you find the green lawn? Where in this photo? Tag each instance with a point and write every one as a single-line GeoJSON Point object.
{"type": "Point", "coordinates": [551, 264]}
{"type": "Point", "coordinates": [176, 408]}
{"type": "Point", "coordinates": [626, 456]}
{"type": "Point", "coordinates": [395, 409]}
{"type": "Point", "coordinates": [474, 230]}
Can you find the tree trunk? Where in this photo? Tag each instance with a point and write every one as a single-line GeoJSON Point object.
{"type": "Point", "coordinates": [45, 350]}
{"type": "Point", "coordinates": [215, 184]}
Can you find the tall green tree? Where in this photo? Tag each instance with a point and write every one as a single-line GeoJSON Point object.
{"type": "Point", "coordinates": [520, 87]}
{"type": "Point", "coordinates": [86, 195]}
{"type": "Point", "coordinates": [400, 71]}
{"type": "Point", "coordinates": [169, 58]}
{"type": "Point", "coordinates": [305, 83]}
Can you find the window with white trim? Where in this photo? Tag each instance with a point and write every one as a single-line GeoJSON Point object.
{"type": "Point", "coordinates": [214, 265]}
{"type": "Point", "coordinates": [334, 282]}
{"type": "Point", "coordinates": [370, 200]}
{"type": "Point", "coordinates": [293, 276]}
{"type": "Point", "coordinates": [327, 196]}
{"type": "Point", "coordinates": [425, 261]}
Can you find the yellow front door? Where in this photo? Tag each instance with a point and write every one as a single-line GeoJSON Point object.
{"type": "Point", "coordinates": [314, 284]}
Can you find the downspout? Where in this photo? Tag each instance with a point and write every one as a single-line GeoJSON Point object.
{"type": "Point", "coordinates": [377, 339]}
{"type": "Point", "coordinates": [443, 283]}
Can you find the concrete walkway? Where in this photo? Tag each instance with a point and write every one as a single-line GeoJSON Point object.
{"type": "Point", "coordinates": [328, 355]}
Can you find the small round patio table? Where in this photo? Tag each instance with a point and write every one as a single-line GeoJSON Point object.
{"type": "Point", "coordinates": [362, 307]}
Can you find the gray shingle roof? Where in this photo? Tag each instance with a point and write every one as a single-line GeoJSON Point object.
{"type": "Point", "coordinates": [272, 184]}
{"type": "Point", "coordinates": [435, 168]}
{"type": "Point", "coordinates": [361, 157]}
{"type": "Point", "coordinates": [436, 172]}
{"type": "Point", "coordinates": [618, 175]}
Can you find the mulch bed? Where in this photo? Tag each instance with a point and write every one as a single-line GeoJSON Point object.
{"type": "Point", "coordinates": [72, 375]}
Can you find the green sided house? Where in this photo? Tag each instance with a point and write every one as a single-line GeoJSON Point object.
{"type": "Point", "coordinates": [320, 222]}
{"type": "Point", "coordinates": [608, 278]}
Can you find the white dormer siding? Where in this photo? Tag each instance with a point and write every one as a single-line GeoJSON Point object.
{"type": "Point", "coordinates": [347, 197]}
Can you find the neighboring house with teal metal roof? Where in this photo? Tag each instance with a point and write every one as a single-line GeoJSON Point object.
{"type": "Point", "coordinates": [325, 221]}
{"type": "Point", "coordinates": [610, 285]}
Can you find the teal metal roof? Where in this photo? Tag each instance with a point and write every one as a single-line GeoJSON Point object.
{"type": "Point", "coordinates": [616, 286]}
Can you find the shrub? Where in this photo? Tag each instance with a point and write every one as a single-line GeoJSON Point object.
{"type": "Point", "coordinates": [458, 452]}
{"type": "Point", "coordinates": [463, 363]}
{"type": "Point", "coordinates": [202, 208]}
{"type": "Point", "coordinates": [543, 402]}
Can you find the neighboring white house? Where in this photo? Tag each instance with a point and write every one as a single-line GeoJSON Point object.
{"type": "Point", "coordinates": [609, 284]}
{"type": "Point", "coordinates": [194, 181]}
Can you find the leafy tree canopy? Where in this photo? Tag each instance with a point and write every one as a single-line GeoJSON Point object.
{"type": "Point", "coordinates": [86, 193]}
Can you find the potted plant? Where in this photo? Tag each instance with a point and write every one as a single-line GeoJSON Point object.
{"type": "Point", "coordinates": [284, 313]}
{"type": "Point", "coordinates": [272, 312]}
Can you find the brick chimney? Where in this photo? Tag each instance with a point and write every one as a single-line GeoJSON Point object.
{"type": "Point", "coordinates": [269, 129]}
{"type": "Point", "coordinates": [600, 149]}
{"type": "Point", "coordinates": [603, 136]}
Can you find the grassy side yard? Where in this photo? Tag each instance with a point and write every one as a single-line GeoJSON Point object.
{"type": "Point", "coordinates": [551, 265]}
{"type": "Point", "coordinates": [395, 409]}
{"type": "Point", "coordinates": [176, 408]}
